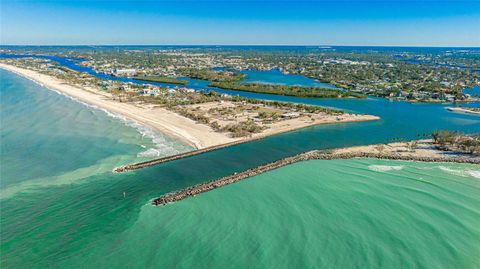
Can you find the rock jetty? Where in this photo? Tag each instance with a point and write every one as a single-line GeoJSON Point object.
{"type": "Point", "coordinates": [174, 157]}
{"type": "Point", "coordinates": [310, 155]}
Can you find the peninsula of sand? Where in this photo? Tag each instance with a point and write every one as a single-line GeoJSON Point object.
{"type": "Point", "coordinates": [167, 122]}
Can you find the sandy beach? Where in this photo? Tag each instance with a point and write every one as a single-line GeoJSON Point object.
{"type": "Point", "coordinates": [162, 120]}
{"type": "Point", "coordinates": [198, 135]}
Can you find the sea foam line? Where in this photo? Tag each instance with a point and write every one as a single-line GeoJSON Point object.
{"type": "Point", "coordinates": [385, 168]}
{"type": "Point", "coordinates": [162, 146]}
{"type": "Point", "coordinates": [462, 173]}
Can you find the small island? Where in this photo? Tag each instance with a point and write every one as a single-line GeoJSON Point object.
{"type": "Point", "coordinates": [286, 90]}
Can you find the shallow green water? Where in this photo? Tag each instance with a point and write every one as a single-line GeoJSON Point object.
{"type": "Point", "coordinates": [50, 139]}
{"type": "Point", "coordinates": [362, 213]}
{"type": "Point", "coordinates": [316, 214]}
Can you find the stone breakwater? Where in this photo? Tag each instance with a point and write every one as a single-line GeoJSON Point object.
{"type": "Point", "coordinates": [310, 155]}
{"type": "Point", "coordinates": [212, 148]}
{"type": "Point", "coordinates": [176, 156]}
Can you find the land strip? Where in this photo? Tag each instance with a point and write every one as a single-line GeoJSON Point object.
{"type": "Point", "coordinates": [160, 119]}
{"type": "Point", "coordinates": [189, 123]}
{"type": "Point", "coordinates": [153, 162]}
{"type": "Point", "coordinates": [471, 110]}
{"type": "Point", "coordinates": [287, 90]}
{"type": "Point", "coordinates": [162, 79]}
{"type": "Point", "coordinates": [424, 151]}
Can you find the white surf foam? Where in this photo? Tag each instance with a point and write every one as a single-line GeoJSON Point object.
{"type": "Point", "coordinates": [163, 146]}
{"type": "Point", "coordinates": [460, 172]}
{"type": "Point", "coordinates": [385, 168]}
{"type": "Point", "coordinates": [475, 174]}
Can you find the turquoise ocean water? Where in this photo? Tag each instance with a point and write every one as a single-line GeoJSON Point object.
{"type": "Point", "coordinates": [53, 139]}
{"type": "Point", "coordinates": [62, 207]}
{"type": "Point", "coordinates": [318, 214]}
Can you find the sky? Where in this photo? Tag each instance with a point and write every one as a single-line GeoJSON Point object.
{"type": "Point", "coordinates": [285, 22]}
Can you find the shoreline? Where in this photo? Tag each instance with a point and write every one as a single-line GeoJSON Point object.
{"type": "Point", "coordinates": [159, 119]}
{"type": "Point", "coordinates": [462, 109]}
{"type": "Point", "coordinates": [425, 154]}
{"type": "Point", "coordinates": [139, 165]}
{"type": "Point", "coordinates": [201, 137]}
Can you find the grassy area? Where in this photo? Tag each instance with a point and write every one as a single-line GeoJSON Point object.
{"type": "Point", "coordinates": [297, 91]}
{"type": "Point", "coordinates": [162, 79]}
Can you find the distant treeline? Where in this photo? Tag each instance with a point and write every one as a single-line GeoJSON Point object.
{"type": "Point", "coordinates": [297, 91]}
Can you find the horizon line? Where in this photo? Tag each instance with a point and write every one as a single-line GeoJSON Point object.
{"type": "Point", "coordinates": [236, 45]}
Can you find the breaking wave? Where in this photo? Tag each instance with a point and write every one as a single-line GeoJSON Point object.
{"type": "Point", "coordinates": [462, 173]}
{"type": "Point", "coordinates": [385, 168]}
{"type": "Point", "coordinates": [163, 145]}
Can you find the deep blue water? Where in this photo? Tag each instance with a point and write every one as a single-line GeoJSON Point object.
{"type": "Point", "coordinates": [473, 91]}
{"type": "Point", "coordinates": [275, 76]}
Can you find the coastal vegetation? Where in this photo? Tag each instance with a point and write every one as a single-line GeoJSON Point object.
{"type": "Point", "coordinates": [456, 141]}
{"type": "Point", "coordinates": [298, 91]}
{"type": "Point", "coordinates": [233, 115]}
{"type": "Point", "coordinates": [416, 75]}
{"type": "Point", "coordinates": [419, 76]}
{"type": "Point", "coordinates": [239, 116]}
{"type": "Point", "coordinates": [162, 79]}
{"type": "Point", "coordinates": [243, 128]}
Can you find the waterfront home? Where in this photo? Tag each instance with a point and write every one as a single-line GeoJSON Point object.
{"type": "Point", "coordinates": [449, 97]}
{"type": "Point", "coordinates": [290, 115]}
{"type": "Point", "coordinates": [125, 72]}
{"type": "Point", "coordinates": [187, 90]}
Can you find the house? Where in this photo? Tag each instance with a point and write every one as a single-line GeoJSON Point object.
{"type": "Point", "coordinates": [449, 97]}
{"type": "Point", "coordinates": [290, 115]}
{"type": "Point", "coordinates": [125, 72]}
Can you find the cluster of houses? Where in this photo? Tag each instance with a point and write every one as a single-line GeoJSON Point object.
{"type": "Point", "coordinates": [343, 61]}
{"type": "Point", "coordinates": [155, 91]}
{"type": "Point", "coordinates": [145, 89]}
{"type": "Point", "coordinates": [126, 72]}
{"type": "Point", "coordinates": [415, 95]}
